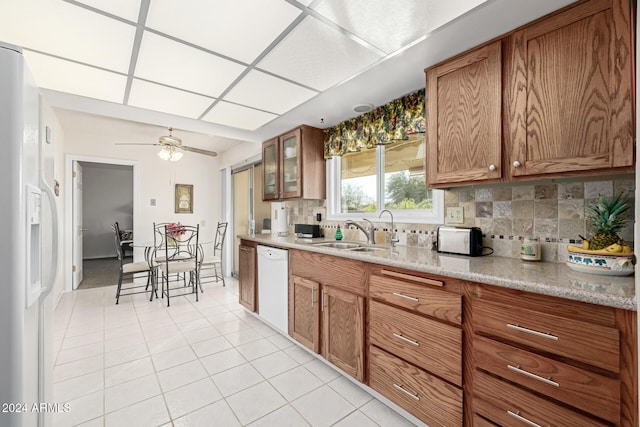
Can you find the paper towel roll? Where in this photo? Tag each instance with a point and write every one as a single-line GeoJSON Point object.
{"type": "Point", "coordinates": [280, 222]}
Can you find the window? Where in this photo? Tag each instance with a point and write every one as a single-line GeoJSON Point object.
{"type": "Point", "coordinates": [362, 184]}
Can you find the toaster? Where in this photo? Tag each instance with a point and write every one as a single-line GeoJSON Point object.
{"type": "Point", "coordinates": [459, 240]}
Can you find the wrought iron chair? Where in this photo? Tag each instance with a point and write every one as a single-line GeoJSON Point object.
{"type": "Point", "coordinates": [131, 269]}
{"type": "Point", "coordinates": [178, 255]}
{"type": "Point", "coordinates": [212, 262]}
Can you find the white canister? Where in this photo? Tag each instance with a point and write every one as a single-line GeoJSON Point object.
{"type": "Point", "coordinates": [530, 249]}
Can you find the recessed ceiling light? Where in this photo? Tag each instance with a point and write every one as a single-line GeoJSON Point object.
{"type": "Point", "coordinates": [363, 108]}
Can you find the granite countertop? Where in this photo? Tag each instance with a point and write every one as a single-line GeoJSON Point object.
{"type": "Point", "coordinates": [539, 277]}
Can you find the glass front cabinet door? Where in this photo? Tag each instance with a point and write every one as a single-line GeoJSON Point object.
{"type": "Point", "coordinates": [290, 164]}
{"type": "Point", "coordinates": [270, 169]}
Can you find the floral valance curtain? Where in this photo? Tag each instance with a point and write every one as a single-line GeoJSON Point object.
{"type": "Point", "coordinates": [383, 125]}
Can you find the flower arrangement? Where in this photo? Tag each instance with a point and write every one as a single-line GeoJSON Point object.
{"type": "Point", "coordinates": [175, 230]}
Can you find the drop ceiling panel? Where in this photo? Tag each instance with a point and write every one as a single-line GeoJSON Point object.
{"type": "Point", "coordinates": [240, 29]}
{"type": "Point", "coordinates": [127, 9]}
{"type": "Point", "coordinates": [176, 64]}
{"type": "Point", "coordinates": [62, 29]}
{"type": "Point", "coordinates": [265, 92]}
{"type": "Point", "coordinates": [238, 116]}
{"type": "Point", "coordinates": [167, 100]}
{"type": "Point", "coordinates": [391, 28]}
{"type": "Point", "coordinates": [318, 55]}
{"type": "Point", "coordinates": [53, 73]}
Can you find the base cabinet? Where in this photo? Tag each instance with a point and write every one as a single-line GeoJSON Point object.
{"type": "Point", "coordinates": [247, 292]}
{"type": "Point", "coordinates": [555, 361]}
{"type": "Point", "coordinates": [327, 309]}
{"type": "Point", "coordinates": [343, 330]}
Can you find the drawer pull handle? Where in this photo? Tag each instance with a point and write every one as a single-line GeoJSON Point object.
{"type": "Point", "coordinates": [534, 376]}
{"type": "Point", "coordinates": [519, 417]}
{"type": "Point", "coordinates": [401, 295]}
{"type": "Point", "coordinates": [532, 332]}
{"type": "Point", "coordinates": [407, 392]}
{"type": "Point", "coordinates": [405, 339]}
{"type": "Point", "coordinates": [412, 277]}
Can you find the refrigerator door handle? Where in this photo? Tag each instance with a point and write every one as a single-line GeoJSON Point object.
{"type": "Point", "coordinates": [47, 287]}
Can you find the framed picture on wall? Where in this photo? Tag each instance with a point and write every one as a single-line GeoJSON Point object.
{"type": "Point", "coordinates": [184, 198]}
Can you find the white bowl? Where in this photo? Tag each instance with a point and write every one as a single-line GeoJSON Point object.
{"type": "Point", "coordinates": [597, 263]}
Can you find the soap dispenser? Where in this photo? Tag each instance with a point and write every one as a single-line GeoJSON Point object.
{"type": "Point", "coordinates": [338, 233]}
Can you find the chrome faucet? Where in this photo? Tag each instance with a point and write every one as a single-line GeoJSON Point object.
{"type": "Point", "coordinates": [369, 234]}
{"type": "Point", "coordinates": [393, 240]}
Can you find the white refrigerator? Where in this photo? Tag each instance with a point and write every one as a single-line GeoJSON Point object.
{"type": "Point", "coordinates": [27, 207]}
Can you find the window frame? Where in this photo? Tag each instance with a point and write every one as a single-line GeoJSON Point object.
{"type": "Point", "coordinates": [416, 216]}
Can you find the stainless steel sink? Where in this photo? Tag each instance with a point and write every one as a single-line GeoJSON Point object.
{"type": "Point", "coordinates": [339, 245]}
{"type": "Point", "coordinates": [366, 249]}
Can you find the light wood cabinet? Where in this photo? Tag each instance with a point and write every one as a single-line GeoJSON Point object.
{"type": "Point", "coordinates": [415, 337]}
{"type": "Point", "coordinates": [247, 292]}
{"type": "Point", "coordinates": [294, 166]}
{"type": "Point", "coordinates": [569, 95]}
{"type": "Point", "coordinates": [430, 398]}
{"type": "Point", "coordinates": [304, 312]}
{"type": "Point", "coordinates": [343, 330]}
{"type": "Point", "coordinates": [560, 362]}
{"type": "Point", "coordinates": [464, 104]}
{"type": "Point", "coordinates": [327, 308]}
{"type": "Point", "coordinates": [553, 98]}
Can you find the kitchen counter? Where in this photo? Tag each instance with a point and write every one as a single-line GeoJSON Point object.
{"type": "Point", "coordinates": [539, 277]}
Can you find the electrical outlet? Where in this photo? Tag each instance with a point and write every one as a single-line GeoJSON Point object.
{"type": "Point", "coordinates": [455, 215]}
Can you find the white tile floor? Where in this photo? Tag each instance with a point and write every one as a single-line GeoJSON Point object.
{"type": "Point", "coordinates": [205, 363]}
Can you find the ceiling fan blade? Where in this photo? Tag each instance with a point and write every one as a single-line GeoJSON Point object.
{"type": "Point", "coordinates": [199, 151]}
{"type": "Point", "coordinates": [136, 143]}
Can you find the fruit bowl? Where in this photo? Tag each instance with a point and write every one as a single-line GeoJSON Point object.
{"type": "Point", "coordinates": [603, 261]}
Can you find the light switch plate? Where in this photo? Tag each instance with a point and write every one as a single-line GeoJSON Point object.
{"type": "Point", "coordinates": [455, 215]}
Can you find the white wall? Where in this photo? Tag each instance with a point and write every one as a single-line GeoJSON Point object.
{"type": "Point", "coordinates": [96, 138]}
{"type": "Point", "coordinates": [107, 197]}
{"type": "Point", "coordinates": [54, 171]}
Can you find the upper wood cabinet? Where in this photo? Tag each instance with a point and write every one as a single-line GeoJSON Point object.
{"type": "Point", "coordinates": [553, 98]}
{"type": "Point", "coordinates": [568, 95]}
{"type": "Point", "coordinates": [294, 166]}
{"type": "Point", "coordinates": [464, 137]}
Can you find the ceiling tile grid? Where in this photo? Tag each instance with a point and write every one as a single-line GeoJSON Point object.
{"type": "Point", "coordinates": [240, 63]}
{"type": "Point", "coordinates": [175, 64]}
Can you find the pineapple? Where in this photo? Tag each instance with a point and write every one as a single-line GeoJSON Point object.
{"type": "Point", "coordinates": [607, 218]}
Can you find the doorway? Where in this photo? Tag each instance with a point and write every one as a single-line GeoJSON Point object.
{"type": "Point", "coordinates": [247, 205]}
{"type": "Point", "coordinates": [100, 240]}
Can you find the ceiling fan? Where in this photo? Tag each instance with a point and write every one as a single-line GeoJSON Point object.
{"type": "Point", "coordinates": [172, 147]}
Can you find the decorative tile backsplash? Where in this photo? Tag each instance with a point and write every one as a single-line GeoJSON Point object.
{"type": "Point", "coordinates": [552, 212]}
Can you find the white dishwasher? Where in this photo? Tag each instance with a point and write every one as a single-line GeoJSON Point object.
{"type": "Point", "coordinates": [273, 286]}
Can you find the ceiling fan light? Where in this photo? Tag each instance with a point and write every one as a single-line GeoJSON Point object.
{"type": "Point", "coordinates": [175, 156]}
{"type": "Point", "coordinates": [164, 154]}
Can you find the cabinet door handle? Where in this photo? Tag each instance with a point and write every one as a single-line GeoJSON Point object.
{"type": "Point", "coordinates": [313, 296]}
{"type": "Point", "coordinates": [405, 339]}
{"type": "Point", "coordinates": [407, 392]}
{"type": "Point", "coordinates": [322, 302]}
{"type": "Point", "coordinates": [492, 167]}
{"type": "Point", "coordinates": [519, 417]}
{"type": "Point", "coordinates": [534, 376]}
{"type": "Point", "coordinates": [532, 332]}
{"type": "Point", "coordinates": [401, 295]}
{"type": "Point", "coordinates": [516, 164]}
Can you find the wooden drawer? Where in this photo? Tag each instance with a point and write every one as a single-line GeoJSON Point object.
{"type": "Point", "coordinates": [591, 392]}
{"type": "Point", "coordinates": [424, 296]}
{"type": "Point", "coordinates": [434, 401]}
{"type": "Point", "coordinates": [430, 344]}
{"type": "Point", "coordinates": [586, 342]}
{"type": "Point", "coordinates": [513, 405]}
